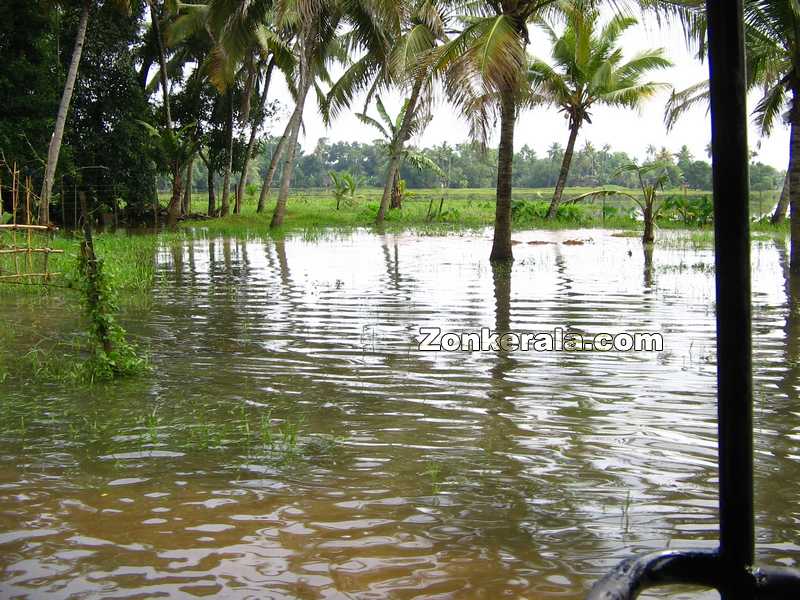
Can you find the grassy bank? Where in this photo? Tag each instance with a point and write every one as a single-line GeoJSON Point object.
{"type": "Point", "coordinates": [128, 261]}
{"type": "Point", "coordinates": [435, 211]}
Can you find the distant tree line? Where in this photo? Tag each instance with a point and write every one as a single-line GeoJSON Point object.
{"type": "Point", "coordinates": [468, 165]}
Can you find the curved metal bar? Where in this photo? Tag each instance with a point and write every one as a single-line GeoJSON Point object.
{"type": "Point", "coordinates": [776, 583]}
{"type": "Point", "coordinates": [634, 575]}
{"type": "Point", "coordinates": [698, 567]}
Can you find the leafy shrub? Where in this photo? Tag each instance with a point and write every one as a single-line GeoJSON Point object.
{"type": "Point", "coordinates": [691, 211]}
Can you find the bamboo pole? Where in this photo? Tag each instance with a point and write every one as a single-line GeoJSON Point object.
{"type": "Point", "coordinates": [32, 250]}
{"type": "Point", "coordinates": [29, 261]}
{"type": "Point", "coordinates": [28, 275]}
{"type": "Point", "coordinates": [63, 211]}
{"type": "Point", "coordinates": [21, 227]}
{"type": "Point", "coordinates": [14, 203]}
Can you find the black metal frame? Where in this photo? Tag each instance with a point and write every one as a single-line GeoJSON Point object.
{"type": "Point", "coordinates": [728, 569]}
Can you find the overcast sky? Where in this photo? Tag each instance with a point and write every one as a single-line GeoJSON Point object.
{"type": "Point", "coordinates": [625, 130]}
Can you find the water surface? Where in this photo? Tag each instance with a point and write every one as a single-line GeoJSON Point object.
{"type": "Point", "coordinates": [292, 442]}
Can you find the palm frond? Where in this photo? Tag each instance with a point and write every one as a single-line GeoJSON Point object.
{"type": "Point", "coordinates": [771, 105]}
{"type": "Point", "coordinates": [681, 102]}
{"type": "Point", "coordinates": [422, 162]}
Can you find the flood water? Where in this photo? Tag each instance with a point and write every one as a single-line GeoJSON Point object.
{"type": "Point", "coordinates": [293, 442]}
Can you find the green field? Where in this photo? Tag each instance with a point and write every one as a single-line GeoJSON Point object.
{"type": "Point", "coordinates": [437, 209]}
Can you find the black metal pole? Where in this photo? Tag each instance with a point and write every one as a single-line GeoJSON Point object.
{"type": "Point", "coordinates": [729, 569]}
{"type": "Point", "coordinates": [732, 256]}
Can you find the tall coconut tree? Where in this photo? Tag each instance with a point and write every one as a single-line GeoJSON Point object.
{"type": "Point", "coordinates": [366, 35]}
{"type": "Point", "coordinates": [484, 67]}
{"type": "Point", "coordinates": [397, 43]}
{"type": "Point", "coordinates": [54, 148]}
{"type": "Point", "coordinates": [588, 68]}
{"type": "Point", "coordinates": [316, 44]}
{"type": "Point", "coordinates": [157, 13]}
{"type": "Point", "coordinates": [246, 44]}
{"type": "Point", "coordinates": [254, 127]}
{"type": "Point", "coordinates": [773, 48]}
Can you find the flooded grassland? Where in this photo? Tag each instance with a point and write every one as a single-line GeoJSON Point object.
{"type": "Point", "coordinates": [291, 441]}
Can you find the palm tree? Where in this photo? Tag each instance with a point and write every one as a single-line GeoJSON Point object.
{"type": "Point", "coordinates": [391, 131]}
{"type": "Point", "coordinates": [697, 94]}
{"type": "Point", "coordinates": [174, 206]}
{"type": "Point", "coordinates": [589, 69]}
{"type": "Point", "coordinates": [774, 60]}
{"type": "Point", "coordinates": [366, 34]}
{"type": "Point", "coordinates": [484, 67]}
{"type": "Point", "coordinates": [63, 109]}
{"type": "Point", "coordinates": [316, 43]}
{"type": "Point", "coordinates": [246, 44]}
{"type": "Point", "coordinates": [652, 178]}
{"type": "Point", "coordinates": [254, 127]}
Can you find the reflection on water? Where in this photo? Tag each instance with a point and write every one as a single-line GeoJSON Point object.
{"type": "Point", "coordinates": [414, 474]}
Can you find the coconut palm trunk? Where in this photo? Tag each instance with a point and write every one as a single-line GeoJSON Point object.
{"type": "Point", "coordinates": [783, 202]}
{"type": "Point", "coordinates": [186, 207]}
{"type": "Point", "coordinates": [794, 185]}
{"type": "Point", "coordinates": [501, 246]}
{"type": "Point", "coordinates": [273, 166]}
{"type": "Point", "coordinates": [564, 173]}
{"type": "Point", "coordinates": [225, 207]}
{"type": "Point", "coordinates": [61, 119]}
{"type": "Point", "coordinates": [174, 206]}
{"type": "Point", "coordinates": [291, 148]}
{"type": "Point", "coordinates": [648, 237]}
{"type": "Point", "coordinates": [396, 154]}
{"type": "Point", "coordinates": [162, 62]}
{"type": "Point", "coordinates": [251, 144]}
{"type": "Point", "coordinates": [396, 199]}
{"type": "Point", "coordinates": [212, 195]}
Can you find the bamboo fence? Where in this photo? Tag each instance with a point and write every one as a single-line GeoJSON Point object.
{"type": "Point", "coordinates": [21, 241]}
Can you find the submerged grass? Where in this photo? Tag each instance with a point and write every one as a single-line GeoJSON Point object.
{"type": "Point", "coordinates": [115, 432]}
{"type": "Point", "coordinates": [129, 261]}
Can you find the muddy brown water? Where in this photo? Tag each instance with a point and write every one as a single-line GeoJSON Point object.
{"type": "Point", "coordinates": [292, 442]}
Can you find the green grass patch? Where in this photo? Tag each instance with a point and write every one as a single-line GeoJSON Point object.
{"type": "Point", "coordinates": [310, 212]}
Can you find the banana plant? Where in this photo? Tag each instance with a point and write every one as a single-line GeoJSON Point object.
{"type": "Point", "coordinates": [392, 131]}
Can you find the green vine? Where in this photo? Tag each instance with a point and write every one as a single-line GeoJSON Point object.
{"type": "Point", "coordinates": [112, 355]}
